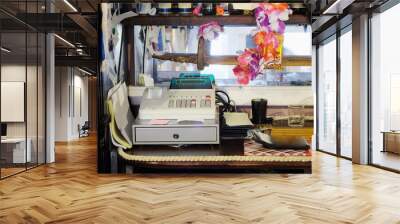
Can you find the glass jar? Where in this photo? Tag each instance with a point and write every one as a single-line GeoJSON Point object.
{"type": "Point", "coordinates": [296, 115]}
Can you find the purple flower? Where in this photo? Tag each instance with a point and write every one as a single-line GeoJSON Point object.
{"type": "Point", "coordinates": [281, 27]}
{"type": "Point", "coordinates": [261, 17]}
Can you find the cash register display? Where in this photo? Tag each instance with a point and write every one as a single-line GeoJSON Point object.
{"type": "Point", "coordinates": [191, 83]}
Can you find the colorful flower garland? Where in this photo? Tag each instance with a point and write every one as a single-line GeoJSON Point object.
{"type": "Point", "coordinates": [268, 38]}
{"type": "Point", "coordinates": [209, 31]}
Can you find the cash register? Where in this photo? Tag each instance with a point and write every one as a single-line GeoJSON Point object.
{"type": "Point", "coordinates": [183, 113]}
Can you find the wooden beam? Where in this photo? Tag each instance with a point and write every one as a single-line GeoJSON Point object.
{"type": "Point", "coordinates": [228, 59]}
{"type": "Point", "coordinates": [286, 60]}
{"type": "Point", "coordinates": [178, 20]}
{"type": "Point", "coordinates": [296, 61]}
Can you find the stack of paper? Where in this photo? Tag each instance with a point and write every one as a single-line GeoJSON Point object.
{"type": "Point", "coordinates": [233, 119]}
{"type": "Point", "coordinates": [235, 125]}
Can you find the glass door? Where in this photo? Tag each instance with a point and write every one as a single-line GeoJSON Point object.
{"type": "Point", "coordinates": [15, 150]}
{"type": "Point", "coordinates": [22, 77]}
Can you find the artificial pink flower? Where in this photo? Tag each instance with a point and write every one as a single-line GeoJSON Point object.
{"type": "Point", "coordinates": [210, 31]}
{"type": "Point", "coordinates": [268, 38]}
{"type": "Point", "coordinates": [241, 75]}
{"type": "Point", "coordinates": [197, 10]}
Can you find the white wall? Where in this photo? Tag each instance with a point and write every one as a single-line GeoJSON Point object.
{"type": "Point", "coordinates": [17, 73]}
{"type": "Point", "coordinates": [71, 102]}
{"type": "Point", "coordinates": [79, 117]}
{"type": "Point", "coordinates": [62, 81]}
{"type": "Point", "coordinates": [13, 73]}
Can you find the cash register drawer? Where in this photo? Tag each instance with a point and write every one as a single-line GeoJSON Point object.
{"type": "Point", "coordinates": [168, 135]}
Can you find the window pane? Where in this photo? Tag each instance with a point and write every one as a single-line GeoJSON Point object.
{"type": "Point", "coordinates": [15, 150]}
{"type": "Point", "coordinates": [31, 98]}
{"type": "Point", "coordinates": [185, 40]}
{"type": "Point", "coordinates": [241, 37]}
{"type": "Point", "coordinates": [385, 84]}
{"type": "Point", "coordinates": [327, 97]}
{"type": "Point", "coordinates": [346, 94]}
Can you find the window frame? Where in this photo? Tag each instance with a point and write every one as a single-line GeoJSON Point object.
{"type": "Point", "coordinates": [334, 37]}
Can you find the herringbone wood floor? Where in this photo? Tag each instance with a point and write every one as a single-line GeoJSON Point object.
{"type": "Point", "coordinates": [70, 191]}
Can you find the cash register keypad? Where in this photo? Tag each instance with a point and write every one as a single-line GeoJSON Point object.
{"type": "Point", "coordinates": [190, 102]}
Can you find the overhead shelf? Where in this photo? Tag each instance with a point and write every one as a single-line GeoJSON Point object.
{"type": "Point", "coordinates": [179, 20]}
{"type": "Point", "coordinates": [206, 1]}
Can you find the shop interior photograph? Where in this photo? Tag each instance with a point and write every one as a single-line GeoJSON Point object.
{"type": "Point", "coordinates": [199, 111]}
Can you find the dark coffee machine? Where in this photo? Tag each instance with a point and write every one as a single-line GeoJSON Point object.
{"type": "Point", "coordinates": [259, 110]}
